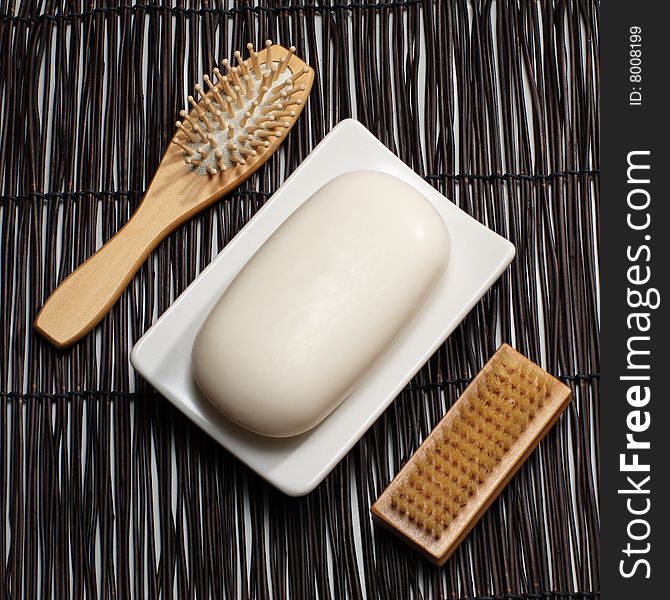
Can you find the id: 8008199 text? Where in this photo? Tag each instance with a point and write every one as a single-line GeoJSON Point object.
{"type": "Point", "coordinates": [635, 65]}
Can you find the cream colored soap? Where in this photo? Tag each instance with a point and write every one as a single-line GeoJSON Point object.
{"type": "Point", "coordinates": [319, 303]}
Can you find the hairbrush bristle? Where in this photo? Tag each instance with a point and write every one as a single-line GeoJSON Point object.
{"type": "Point", "coordinates": [251, 102]}
{"type": "Point", "coordinates": [469, 456]}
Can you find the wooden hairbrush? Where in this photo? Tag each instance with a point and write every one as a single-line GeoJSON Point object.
{"type": "Point", "coordinates": [233, 127]}
{"type": "Point", "coordinates": [471, 455]}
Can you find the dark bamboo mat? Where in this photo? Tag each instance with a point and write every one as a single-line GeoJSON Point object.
{"type": "Point", "coordinates": [108, 491]}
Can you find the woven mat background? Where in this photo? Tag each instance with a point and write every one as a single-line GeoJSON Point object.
{"type": "Point", "coordinates": [108, 491]}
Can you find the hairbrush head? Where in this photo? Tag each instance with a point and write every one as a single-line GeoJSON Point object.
{"type": "Point", "coordinates": [243, 102]}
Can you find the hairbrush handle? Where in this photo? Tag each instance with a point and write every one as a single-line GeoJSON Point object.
{"type": "Point", "coordinates": [81, 300]}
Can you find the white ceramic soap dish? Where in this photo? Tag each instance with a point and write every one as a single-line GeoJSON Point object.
{"type": "Point", "coordinates": [296, 465]}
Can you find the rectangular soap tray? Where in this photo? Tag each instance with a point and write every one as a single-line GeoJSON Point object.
{"type": "Point", "coordinates": [298, 464]}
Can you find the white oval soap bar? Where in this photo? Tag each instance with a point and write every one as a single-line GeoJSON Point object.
{"type": "Point", "coordinates": [320, 302]}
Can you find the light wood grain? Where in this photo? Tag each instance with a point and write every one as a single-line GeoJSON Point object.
{"type": "Point", "coordinates": [438, 550]}
{"type": "Point", "coordinates": [175, 194]}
